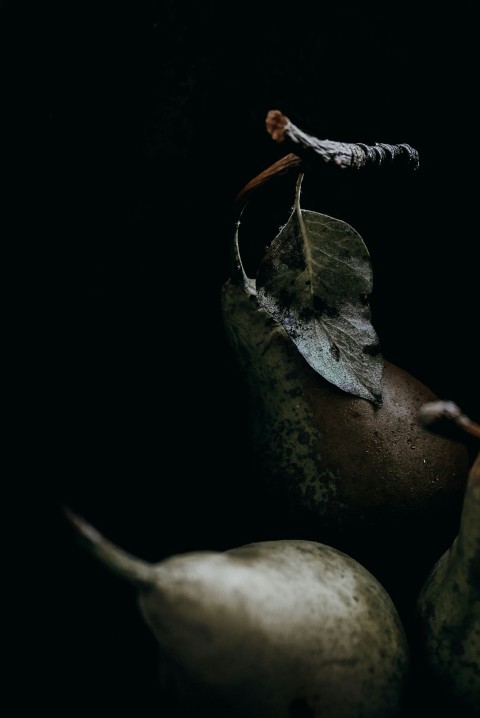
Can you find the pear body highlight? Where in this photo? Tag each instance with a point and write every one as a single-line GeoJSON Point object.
{"type": "Point", "coordinates": [363, 478]}
{"type": "Point", "coordinates": [274, 629]}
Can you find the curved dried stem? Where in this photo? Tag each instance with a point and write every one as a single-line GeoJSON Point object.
{"type": "Point", "coordinates": [341, 154]}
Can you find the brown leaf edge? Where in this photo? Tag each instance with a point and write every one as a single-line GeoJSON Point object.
{"type": "Point", "coordinates": [279, 168]}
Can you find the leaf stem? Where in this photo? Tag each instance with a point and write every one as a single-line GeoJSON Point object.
{"type": "Point", "coordinates": [298, 190]}
{"type": "Point", "coordinates": [301, 222]}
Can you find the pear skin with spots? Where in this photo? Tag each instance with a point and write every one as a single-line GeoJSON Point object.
{"type": "Point", "coordinates": [449, 612]}
{"type": "Point", "coordinates": [339, 469]}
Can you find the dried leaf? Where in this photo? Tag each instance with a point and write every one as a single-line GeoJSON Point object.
{"type": "Point", "coordinates": [315, 280]}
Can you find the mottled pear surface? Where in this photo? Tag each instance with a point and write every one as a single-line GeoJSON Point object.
{"type": "Point", "coordinates": [363, 478]}
{"type": "Point", "coordinates": [274, 629]}
{"type": "Point", "coordinates": [449, 611]}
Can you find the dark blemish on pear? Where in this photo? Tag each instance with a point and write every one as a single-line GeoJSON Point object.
{"type": "Point", "coordinates": [457, 648]}
{"type": "Point", "coordinates": [299, 708]}
{"type": "Point", "coordinates": [295, 392]}
{"type": "Point", "coordinates": [474, 570]}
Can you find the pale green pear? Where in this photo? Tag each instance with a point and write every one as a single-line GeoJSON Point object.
{"type": "Point", "coordinates": [449, 612]}
{"type": "Point", "coordinates": [274, 629]}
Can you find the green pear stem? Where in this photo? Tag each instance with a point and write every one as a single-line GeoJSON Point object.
{"type": "Point", "coordinates": [133, 569]}
{"type": "Point", "coordinates": [444, 417]}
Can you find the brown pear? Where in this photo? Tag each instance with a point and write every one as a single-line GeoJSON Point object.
{"type": "Point", "coordinates": [364, 478]}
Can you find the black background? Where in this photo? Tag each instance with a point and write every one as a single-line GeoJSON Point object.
{"type": "Point", "coordinates": [141, 121]}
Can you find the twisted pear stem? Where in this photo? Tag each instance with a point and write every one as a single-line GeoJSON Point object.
{"type": "Point", "coordinates": [307, 151]}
